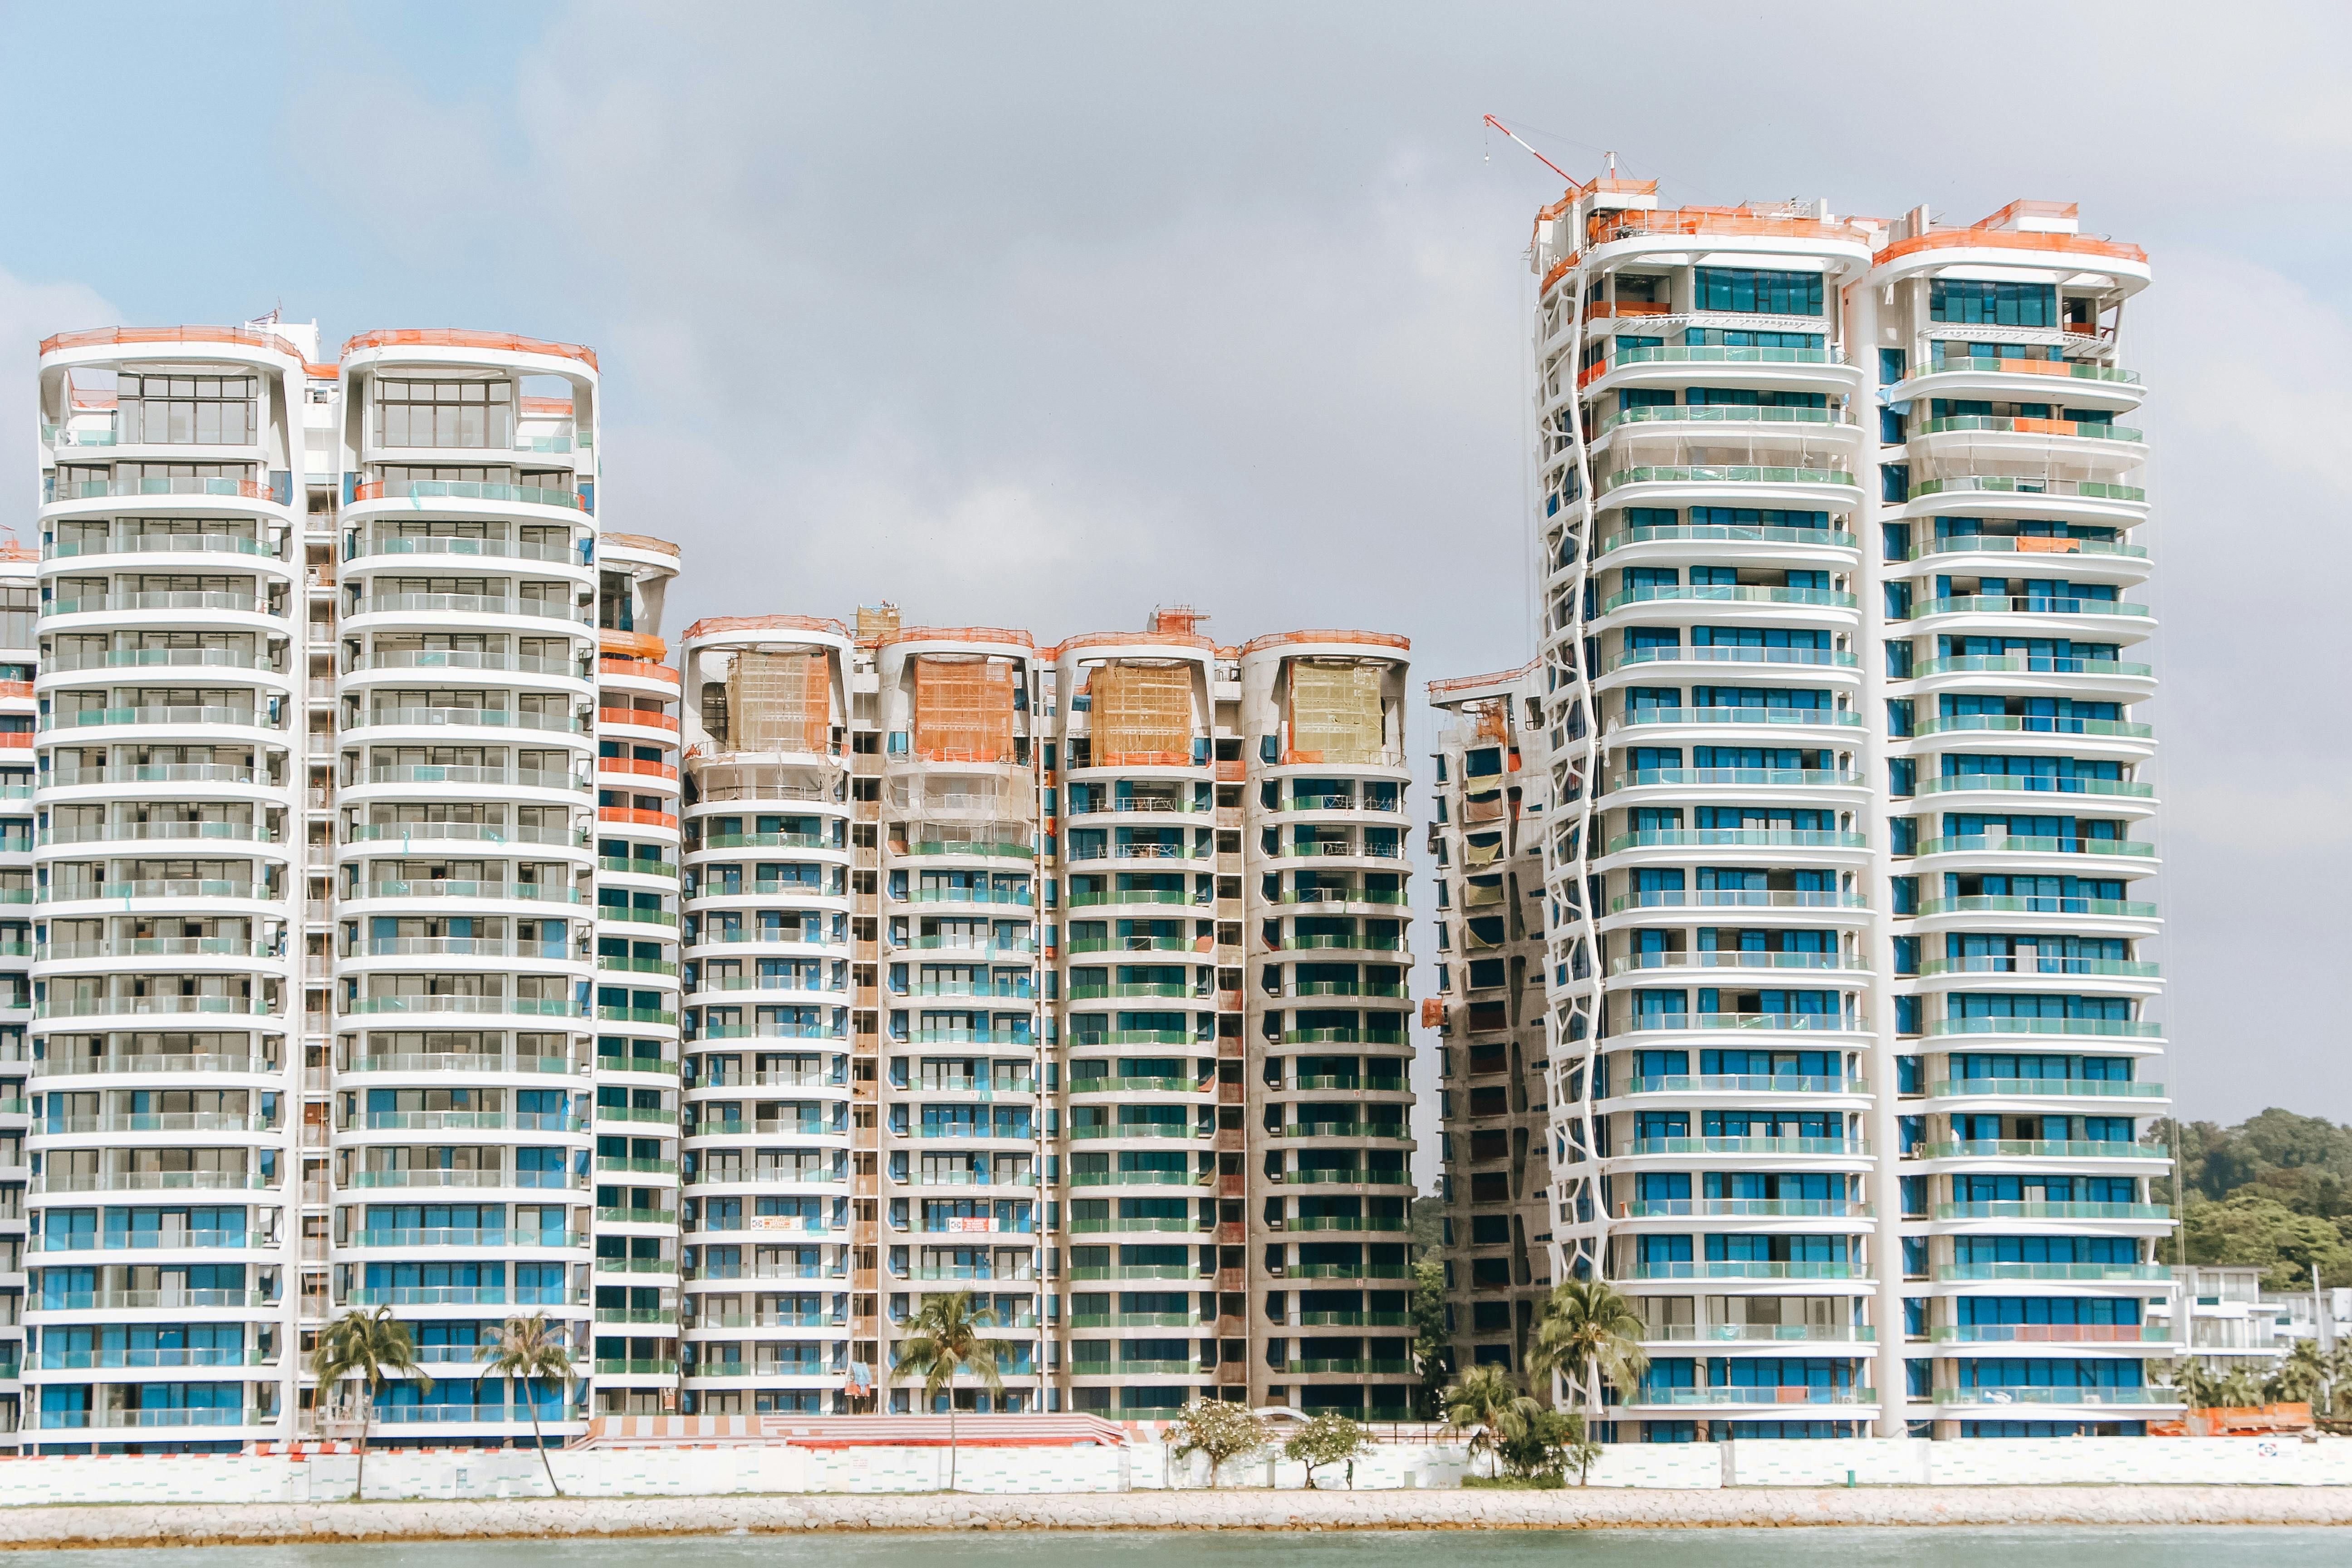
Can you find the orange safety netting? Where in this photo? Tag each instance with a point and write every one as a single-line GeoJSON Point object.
{"type": "Point", "coordinates": [2010, 239]}
{"type": "Point", "coordinates": [780, 702]}
{"type": "Point", "coordinates": [1336, 713]}
{"type": "Point", "coordinates": [714, 626]}
{"type": "Point", "coordinates": [111, 336]}
{"type": "Point", "coordinates": [460, 338]}
{"type": "Point", "coordinates": [1142, 715]}
{"type": "Point", "coordinates": [964, 708]}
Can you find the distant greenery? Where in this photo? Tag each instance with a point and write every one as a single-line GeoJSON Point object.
{"type": "Point", "coordinates": [1428, 1225]}
{"type": "Point", "coordinates": [2273, 1193]}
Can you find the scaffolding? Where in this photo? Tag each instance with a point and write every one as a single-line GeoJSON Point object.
{"type": "Point", "coordinates": [964, 708]}
{"type": "Point", "coordinates": [1142, 715]}
{"type": "Point", "coordinates": [780, 702]}
{"type": "Point", "coordinates": [1336, 713]}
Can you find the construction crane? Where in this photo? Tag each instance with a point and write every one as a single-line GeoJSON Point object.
{"type": "Point", "coordinates": [1573, 182]}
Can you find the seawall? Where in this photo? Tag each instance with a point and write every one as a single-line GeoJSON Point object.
{"type": "Point", "coordinates": [257, 1524]}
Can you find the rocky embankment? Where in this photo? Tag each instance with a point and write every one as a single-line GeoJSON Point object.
{"type": "Point", "coordinates": [273, 1524]}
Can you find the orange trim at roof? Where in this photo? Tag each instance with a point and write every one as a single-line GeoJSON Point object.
{"type": "Point", "coordinates": [1113, 639]}
{"type": "Point", "coordinates": [1287, 639]}
{"type": "Point", "coordinates": [461, 337]}
{"type": "Point", "coordinates": [126, 336]}
{"type": "Point", "coordinates": [2009, 239]}
{"type": "Point", "coordinates": [960, 634]}
{"type": "Point", "coordinates": [712, 625]}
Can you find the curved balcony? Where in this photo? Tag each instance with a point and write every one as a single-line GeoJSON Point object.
{"type": "Point", "coordinates": [2037, 1148]}
{"type": "Point", "coordinates": [2096, 503]}
{"type": "Point", "coordinates": [2079, 383]}
{"type": "Point", "coordinates": [2015, 853]}
{"type": "Point", "coordinates": [1852, 1151]}
{"type": "Point", "coordinates": [2038, 1089]}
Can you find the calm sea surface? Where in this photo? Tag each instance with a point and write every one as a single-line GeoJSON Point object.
{"type": "Point", "coordinates": [1949, 1548]}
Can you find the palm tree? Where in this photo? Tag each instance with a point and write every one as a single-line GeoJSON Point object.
{"type": "Point", "coordinates": [2299, 1376]}
{"type": "Point", "coordinates": [943, 1340]}
{"type": "Point", "coordinates": [373, 1346]}
{"type": "Point", "coordinates": [1485, 1403]}
{"type": "Point", "coordinates": [526, 1350]}
{"type": "Point", "coordinates": [1589, 1332]}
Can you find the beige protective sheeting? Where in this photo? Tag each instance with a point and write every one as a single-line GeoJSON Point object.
{"type": "Point", "coordinates": [1142, 715]}
{"type": "Point", "coordinates": [1335, 713]}
{"type": "Point", "coordinates": [1481, 854]}
{"type": "Point", "coordinates": [1476, 895]}
{"type": "Point", "coordinates": [780, 702]}
{"type": "Point", "coordinates": [964, 708]}
{"type": "Point", "coordinates": [1485, 807]}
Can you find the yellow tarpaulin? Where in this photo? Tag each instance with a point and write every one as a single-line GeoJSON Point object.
{"type": "Point", "coordinates": [1335, 713]}
{"type": "Point", "coordinates": [780, 702]}
{"type": "Point", "coordinates": [1142, 715]}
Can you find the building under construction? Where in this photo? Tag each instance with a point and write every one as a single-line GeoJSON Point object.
{"type": "Point", "coordinates": [1077, 980]}
{"type": "Point", "coordinates": [1485, 846]}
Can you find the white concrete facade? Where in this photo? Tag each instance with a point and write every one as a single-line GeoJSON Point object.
{"type": "Point", "coordinates": [1849, 1011]}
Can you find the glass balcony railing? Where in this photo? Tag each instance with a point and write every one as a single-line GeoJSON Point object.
{"type": "Point", "coordinates": [1839, 1147]}
{"type": "Point", "coordinates": [2028, 664]}
{"type": "Point", "coordinates": [1676, 353]}
{"type": "Point", "coordinates": [1724, 413]}
{"type": "Point", "coordinates": [1743, 1083]}
{"type": "Point", "coordinates": [2026, 545]}
{"type": "Point", "coordinates": [1738, 898]}
{"type": "Point", "coordinates": [1634, 963]}
{"type": "Point", "coordinates": [2004, 423]}
{"type": "Point", "coordinates": [2070, 1396]}
{"type": "Point", "coordinates": [1831, 658]}
{"type": "Point", "coordinates": [2050, 1334]}
{"type": "Point", "coordinates": [2022, 604]}
{"type": "Point", "coordinates": [2069, 1088]}
{"type": "Point", "coordinates": [2033, 724]}
{"type": "Point", "coordinates": [2041, 1149]}
{"type": "Point", "coordinates": [1745, 1208]}
{"type": "Point", "coordinates": [1998, 484]}
{"type": "Point", "coordinates": [2072, 1273]}
{"type": "Point", "coordinates": [1760, 1333]}
{"type": "Point", "coordinates": [1748, 1269]}
{"type": "Point", "coordinates": [1999, 904]}
{"type": "Point", "coordinates": [1833, 717]}
{"type": "Point", "coordinates": [2121, 1029]}
{"type": "Point", "coordinates": [1647, 1022]}
{"type": "Point", "coordinates": [2028, 784]}
{"type": "Point", "coordinates": [2026, 844]}
{"type": "Point", "coordinates": [2020, 1210]}
{"type": "Point", "coordinates": [2021, 963]}
{"type": "Point", "coordinates": [2073, 370]}
{"type": "Point", "coordinates": [1762, 1395]}
{"type": "Point", "coordinates": [1728, 593]}
{"type": "Point", "coordinates": [1721, 474]}
{"type": "Point", "coordinates": [1736, 838]}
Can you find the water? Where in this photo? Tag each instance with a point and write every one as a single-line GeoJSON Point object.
{"type": "Point", "coordinates": [2141, 1547]}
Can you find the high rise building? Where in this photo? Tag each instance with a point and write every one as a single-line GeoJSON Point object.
{"type": "Point", "coordinates": [1485, 848]}
{"type": "Point", "coordinates": [1024, 923]}
{"type": "Point", "coordinates": [1849, 994]}
{"type": "Point", "coordinates": [405, 929]}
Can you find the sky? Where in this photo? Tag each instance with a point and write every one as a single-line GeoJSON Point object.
{"type": "Point", "coordinates": [1042, 315]}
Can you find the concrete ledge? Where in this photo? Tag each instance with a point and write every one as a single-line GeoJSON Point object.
{"type": "Point", "coordinates": [257, 1524]}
